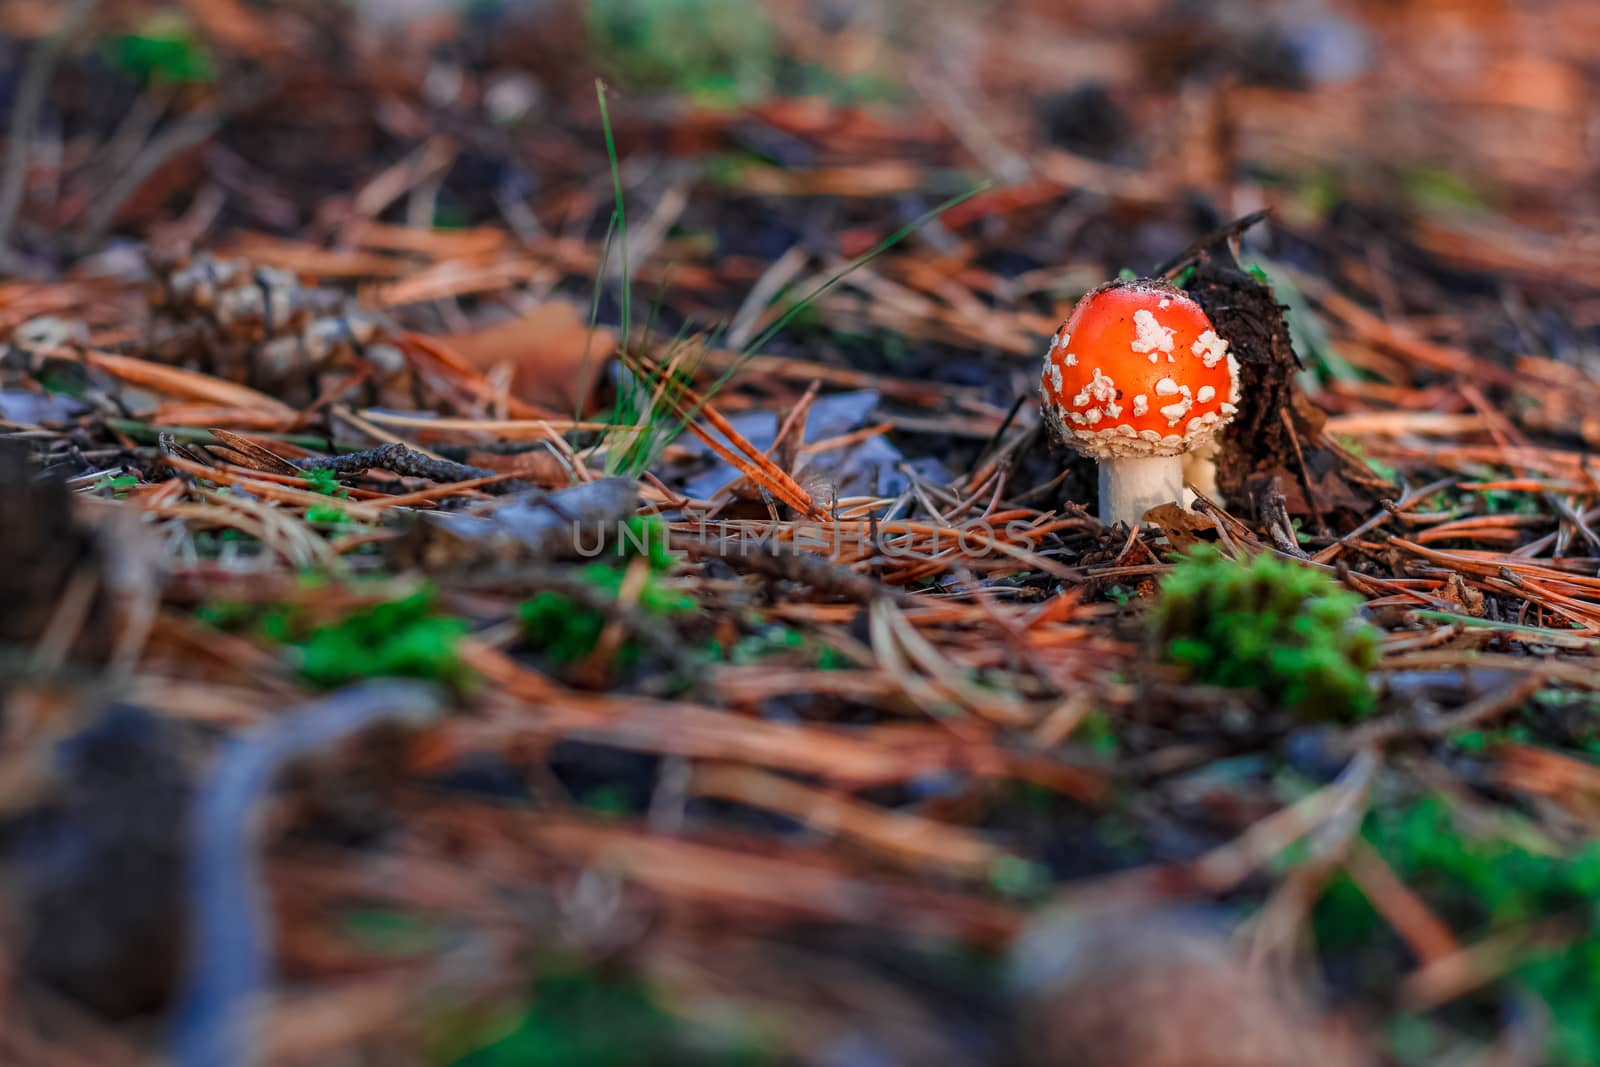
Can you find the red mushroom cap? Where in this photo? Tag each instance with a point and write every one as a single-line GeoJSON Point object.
{"type": "Point", "coordinates": [1138, 370]}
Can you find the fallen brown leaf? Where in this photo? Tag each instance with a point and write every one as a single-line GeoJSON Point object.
{"type": "Point", "coordinates": [553, 354]}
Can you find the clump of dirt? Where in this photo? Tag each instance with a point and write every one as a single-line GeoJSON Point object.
{"type": "Point", "coordinates": [1277, 443]}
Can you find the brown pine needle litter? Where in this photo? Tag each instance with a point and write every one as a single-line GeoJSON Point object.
{"type": "Point", "coordinates": [505, 573]}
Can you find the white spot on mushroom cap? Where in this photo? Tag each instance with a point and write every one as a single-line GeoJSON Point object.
{"type": "Point", "coordinates": [1178, 408]}
{"type": "Point", "coordinates": [1141, 404]}
{"type": "Point", "coordinates": [1204, 396]}
{"type": "Point", "coordinates": [1055, 377]}
{"type": "Point", "coordinates": [1099, 388]}
{"type": "Point", "coordinates": [1166, 387]}
{"type": "Point", "coordinates": [1210, 348]}
{"type": "Point", "coordinates": [1150, 335]}
{"type": "Point", "coordinates": [1069, 360]}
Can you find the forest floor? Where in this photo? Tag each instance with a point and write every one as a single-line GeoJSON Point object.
{"type": "Point", "coordinates": [529, 572]}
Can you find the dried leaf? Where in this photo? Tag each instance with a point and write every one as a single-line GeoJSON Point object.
{"type": "Point", "coordinates": [553, 355]}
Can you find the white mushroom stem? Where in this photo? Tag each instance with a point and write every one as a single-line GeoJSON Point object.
{"type": "Point", "coordinates": [1132, 485]}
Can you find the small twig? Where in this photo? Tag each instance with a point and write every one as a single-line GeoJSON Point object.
{"type": "Point", "coordinates": [1275, 517]}
{"type": "Point", "coordinates": [1533, 548]}
{"type": "Point", "coordinates": [1428, 938]}
{"type": "Point", "coordinates": [1479, 964]}
{"type": "Point", "coordinates": [231, 934]}
{"type": "Point", "coordinates": [1305, 474]}
{"type": "Point", "coordinates": [1572, 515]}
{"type": "Point", "coordinates": [1227, 865]}
{"type": "Point", "coordinates": [1197, 250]}
{"type": "Point", "coordinates": [1481, 710]}
{"type": "Point", "coordinates": [408, 463]}
{"type": "Point", "coordinates": [999, 432]}
{"type": "Point", "coordinates": [791, 431]}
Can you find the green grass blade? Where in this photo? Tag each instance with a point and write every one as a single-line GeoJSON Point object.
{"type": "Point", "coordinates": [621, 213]}
{"type": "Point", "coordinates": [581, 402]}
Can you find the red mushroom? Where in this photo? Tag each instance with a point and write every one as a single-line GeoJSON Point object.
{"type": "Point", "coordinates": [1135, 378]}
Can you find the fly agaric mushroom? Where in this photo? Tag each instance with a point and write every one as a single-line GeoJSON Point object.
{"type": "Point", "coordinates": [1136, 378]}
